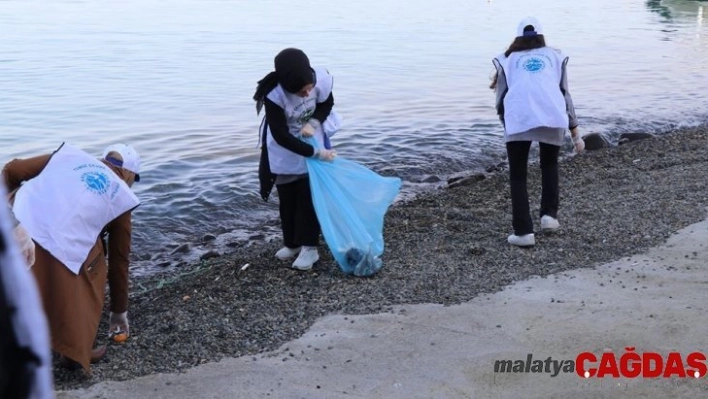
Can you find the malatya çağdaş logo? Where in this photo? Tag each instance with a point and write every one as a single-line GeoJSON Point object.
{"type": "Point", "coordinates": [629, 364]}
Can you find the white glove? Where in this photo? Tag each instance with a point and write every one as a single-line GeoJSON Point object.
{"type": "Point", "coordinates": [325, 155]}
{"type": "Point", "coordinates": [24, 241]}
{"type": "Point", "coordinates": [578, 143]}
{"type": "Point", "coordinates": [310, 127]}
{"type": "Point", "coordinates": [118, 322]}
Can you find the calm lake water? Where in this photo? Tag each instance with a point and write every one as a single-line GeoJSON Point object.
{"type": "Point", "coordinates": [175, 79]}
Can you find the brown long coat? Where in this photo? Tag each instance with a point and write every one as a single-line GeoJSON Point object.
{"type": "Point", "coordinates": [73, 303]}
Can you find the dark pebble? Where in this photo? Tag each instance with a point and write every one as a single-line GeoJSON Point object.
{"type": "Point", "coordinates": [466, 181]}
{"type": "Point", "coordinates": [209, 255]}
{"type": "Point", "coordinates": [596, 141]}
{"type": "Point", "coordinates": [208, 238]}
{"type": "Point", "coordinates": [499, 167]}
{"type": "Point", "coordinates": [430, 179]}
{"type": "Point", "coordinates": [182, 249]}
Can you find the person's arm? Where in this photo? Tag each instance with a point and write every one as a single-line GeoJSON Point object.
{"type": "Point", "coordinates": [323, 109]}
{"type": "Point", "coordinates": [570, 108]}
{"type": "Point", "coordinates": [18, 171]}
{"type": "Point", "coordinates": [119, 241]}
{"type": "Point", "coordinates": [501, 90]}
{"type": "Point", "coordinates": [275, 117]}
{"type": "Point", "coordinates": [14, 174]}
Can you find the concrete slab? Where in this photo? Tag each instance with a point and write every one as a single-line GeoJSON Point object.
{"type": "Point", "coordinates": [655, 302]}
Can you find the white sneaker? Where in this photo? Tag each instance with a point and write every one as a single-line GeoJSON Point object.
{"type": "Point", "coordinates": [549, 223]}
{"type": "Point", "coordinates": [286, 253]}
{"type": "Point", "coordinates": [308, 256]}
{"type": "Point", "coordinates": [526, 240]}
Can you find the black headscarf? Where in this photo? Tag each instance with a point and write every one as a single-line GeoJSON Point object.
{"type": "Point", "coordinates": [292, 71]}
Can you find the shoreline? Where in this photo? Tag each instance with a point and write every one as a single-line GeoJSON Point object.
{"type": "Point", "coordinates": [446, 247]}
{"type": "Point", "coordinates": [179, 256]}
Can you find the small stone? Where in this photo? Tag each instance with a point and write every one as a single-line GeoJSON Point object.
{"type": "Point", "coordinates": [595, 141]}
{"type": "Point", "coordinates": [182, 249]}
{"type": "Point", "coordinates": [466, 181]}
{"type": "Point", "coordinates": [209, 255]}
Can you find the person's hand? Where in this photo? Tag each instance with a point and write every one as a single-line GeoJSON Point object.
{"type": "Point", "coordinates": [578, 143]}
{"type": "Point", "coordinates": [310, 127]}
{"type": "Point", "coordinates": [118, 322]}
{"type": "Point", "coordinates": [325, 155]}
{"type": "Point", "coordinates": [24, 241]}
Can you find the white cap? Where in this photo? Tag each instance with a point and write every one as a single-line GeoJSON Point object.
{"type": "Point", "coordinates": [131, 159]}
{"type": "Point", "coordinates": [529, 21]}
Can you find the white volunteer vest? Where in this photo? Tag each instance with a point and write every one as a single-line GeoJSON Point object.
{"type": "Point", "coordinates": [65, 207]}
{"type": "Point", "coordinates": [298, 111]}
{"type": "Point", "coordinates": [534, 98]}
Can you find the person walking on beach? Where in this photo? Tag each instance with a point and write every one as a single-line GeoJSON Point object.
{"type": "Point", "coordinates": [298, 100]}
{"type": "Point", "coordinates": [533, 104]}
{"type": "Point", "coordinates": [68, 201]}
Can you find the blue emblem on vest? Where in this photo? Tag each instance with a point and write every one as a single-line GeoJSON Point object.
{"type": "Point", "coordinates": [96, 181]}
{"type": "Point", "coordinates": [534, 65]}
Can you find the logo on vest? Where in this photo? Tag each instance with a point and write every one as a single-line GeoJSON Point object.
{"type": "Point", "coordinates": [304, 117]}
{"type": "Point", "coordinates": [534, 65]}
{"type": "Point", "coordinates": [97, 182]}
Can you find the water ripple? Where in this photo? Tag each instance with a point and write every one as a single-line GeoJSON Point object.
{"type": "Point", "coordinates": [411, 83]}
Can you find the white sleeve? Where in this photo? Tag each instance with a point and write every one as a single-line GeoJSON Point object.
{"type": "Point", "coordinates": [324, 85]}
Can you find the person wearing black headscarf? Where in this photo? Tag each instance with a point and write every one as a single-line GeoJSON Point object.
{"type": "Point", "coordinates": [298, 100]}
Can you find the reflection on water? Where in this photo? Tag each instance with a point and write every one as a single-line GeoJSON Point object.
{"type": "Point", "coordinates": [658, 7]}
{"type": "Point", "coordinates": [411, 83]}
{"type": "Point", "coordinates": [676, 9]}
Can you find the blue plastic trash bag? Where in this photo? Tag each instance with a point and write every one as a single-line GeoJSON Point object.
{"type": "Point", "coordinates": [351, 201]}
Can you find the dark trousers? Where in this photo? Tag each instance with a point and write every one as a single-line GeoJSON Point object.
{"type": "Point", "coordinates": [297, 214]}
{"type": "Point", "coordinates": [518, 153]}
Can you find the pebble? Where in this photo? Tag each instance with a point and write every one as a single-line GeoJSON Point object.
{"type": "Point", "coordinates": [209, 255]}
{"type": "Point", "coordinates": [184, 248]}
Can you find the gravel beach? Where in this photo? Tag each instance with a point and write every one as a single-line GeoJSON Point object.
{"type": "Point", "coordinates": [446, 247]}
